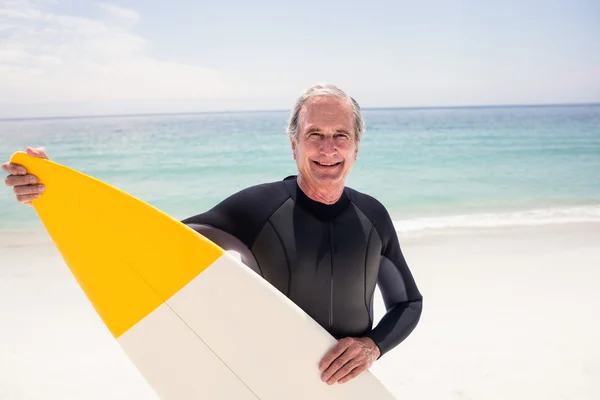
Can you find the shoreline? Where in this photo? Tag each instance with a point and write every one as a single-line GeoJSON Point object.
{"type": "Point", "coordinates": [26, 237]}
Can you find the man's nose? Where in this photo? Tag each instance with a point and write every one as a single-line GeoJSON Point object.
{"type": "Point", "coordinates": [328, 146]}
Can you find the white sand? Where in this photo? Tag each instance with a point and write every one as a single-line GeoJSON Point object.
{"type": "Point", "coordinates": [510, 313]}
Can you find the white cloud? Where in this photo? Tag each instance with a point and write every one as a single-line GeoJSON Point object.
{"type": "Point", "coordinates": [120, 13]}
{"type": "Point", "coordinates": [57, 63]}
{"type": "Point", "coordinates": [47, 57]}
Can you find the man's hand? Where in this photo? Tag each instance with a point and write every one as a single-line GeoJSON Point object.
{"type": "Point", "coordinates": [25, 186]}
{"type": "Point", "coordinates": [349, 358]}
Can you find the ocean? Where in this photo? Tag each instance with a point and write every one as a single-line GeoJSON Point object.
{"type": "Point", "coordinates": [431, 167]}
{"type": "Point", "coordinates": [494, 323]}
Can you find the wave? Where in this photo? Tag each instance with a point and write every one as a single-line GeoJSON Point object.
{"type": "Point", "coordinates": [506, 219]}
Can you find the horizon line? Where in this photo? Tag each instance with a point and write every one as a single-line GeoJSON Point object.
{"type": "Point", "coordinates": [242, 111]}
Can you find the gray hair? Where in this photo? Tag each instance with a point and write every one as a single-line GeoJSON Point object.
{"type": "Point", "coordinates": [325, 90]}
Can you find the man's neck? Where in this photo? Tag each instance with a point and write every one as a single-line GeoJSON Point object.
{"type": "Point", "coordinates": [328, 196]}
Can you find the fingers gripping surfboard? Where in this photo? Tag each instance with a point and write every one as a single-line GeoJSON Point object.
{"type": "Point", "coordinates": [194, 320]}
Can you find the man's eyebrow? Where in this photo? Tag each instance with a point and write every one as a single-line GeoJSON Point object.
{"type": "Point", "coordinates": [313, 129]}
{"type": "Point", "coordinates": [316, 129]}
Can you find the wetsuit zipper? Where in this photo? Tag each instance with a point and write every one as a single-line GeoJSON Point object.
{"type": "Point", "coordinates": [331, 277]}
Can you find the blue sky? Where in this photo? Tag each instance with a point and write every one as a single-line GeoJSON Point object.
{"type": "Point", "coordinates": [81, 57]}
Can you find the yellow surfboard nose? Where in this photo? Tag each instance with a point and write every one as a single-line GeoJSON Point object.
{"type": "Point", "coordinates": [73, 202]}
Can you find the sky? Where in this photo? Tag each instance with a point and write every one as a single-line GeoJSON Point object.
{"type": "Point", "coordinates": [79, 57]}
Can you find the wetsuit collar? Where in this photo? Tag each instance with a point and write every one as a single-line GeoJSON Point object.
{"type": "Point", "coordinates": [322, 211]}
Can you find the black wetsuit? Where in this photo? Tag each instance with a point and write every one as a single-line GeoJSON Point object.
{"type": "Point", "coordinates": [326, 258]}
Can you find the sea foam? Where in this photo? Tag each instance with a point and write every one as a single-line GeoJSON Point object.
{"type": "Point", "coordinates": [532, 217]}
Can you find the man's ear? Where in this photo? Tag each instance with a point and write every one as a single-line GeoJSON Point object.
{"type": "Point", "coordinates": [293, 143]}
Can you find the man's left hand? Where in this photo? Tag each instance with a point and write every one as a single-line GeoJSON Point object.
{"type": "Point", "coordinates": [349, 358]}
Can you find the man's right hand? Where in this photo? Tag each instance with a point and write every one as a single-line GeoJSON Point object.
{"type": "Point", "coordinates": [25, 186]}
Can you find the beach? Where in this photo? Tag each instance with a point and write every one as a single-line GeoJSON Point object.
{"type": "Point", "coordinates": [509, 312]}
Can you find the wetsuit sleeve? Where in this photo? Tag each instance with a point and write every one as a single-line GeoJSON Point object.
{"type": "Point", "coordinates": [234, 223]}
{"type": "Point", "coordinates": [401, 297]}
{"type": "Point", "coordinates": [217, 226]}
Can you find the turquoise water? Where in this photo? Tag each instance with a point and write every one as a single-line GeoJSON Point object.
{"type": "Point", "coordinates": [433, 166]}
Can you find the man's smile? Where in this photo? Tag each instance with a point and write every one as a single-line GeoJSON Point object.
{"type": "Point", "coordinates": [327, 163]}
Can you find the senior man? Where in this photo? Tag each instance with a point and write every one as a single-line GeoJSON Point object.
{"type": "Point", "coordinates": [324, 245]}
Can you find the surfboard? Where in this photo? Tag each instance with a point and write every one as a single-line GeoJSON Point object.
{"type": "Point", "coordinates": [193, 319]}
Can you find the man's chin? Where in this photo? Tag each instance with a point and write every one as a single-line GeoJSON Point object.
{"type": "Point", "coordinates": [329, 180]}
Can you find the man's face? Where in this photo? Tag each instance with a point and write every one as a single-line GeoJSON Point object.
{"type": "Point", "coordinates": [326, 147]}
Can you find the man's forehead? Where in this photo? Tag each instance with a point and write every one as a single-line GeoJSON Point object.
{"type": "Point", "coordinates": [326, 110]}
{"type": "Point", "coordinates": [326, 102]}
